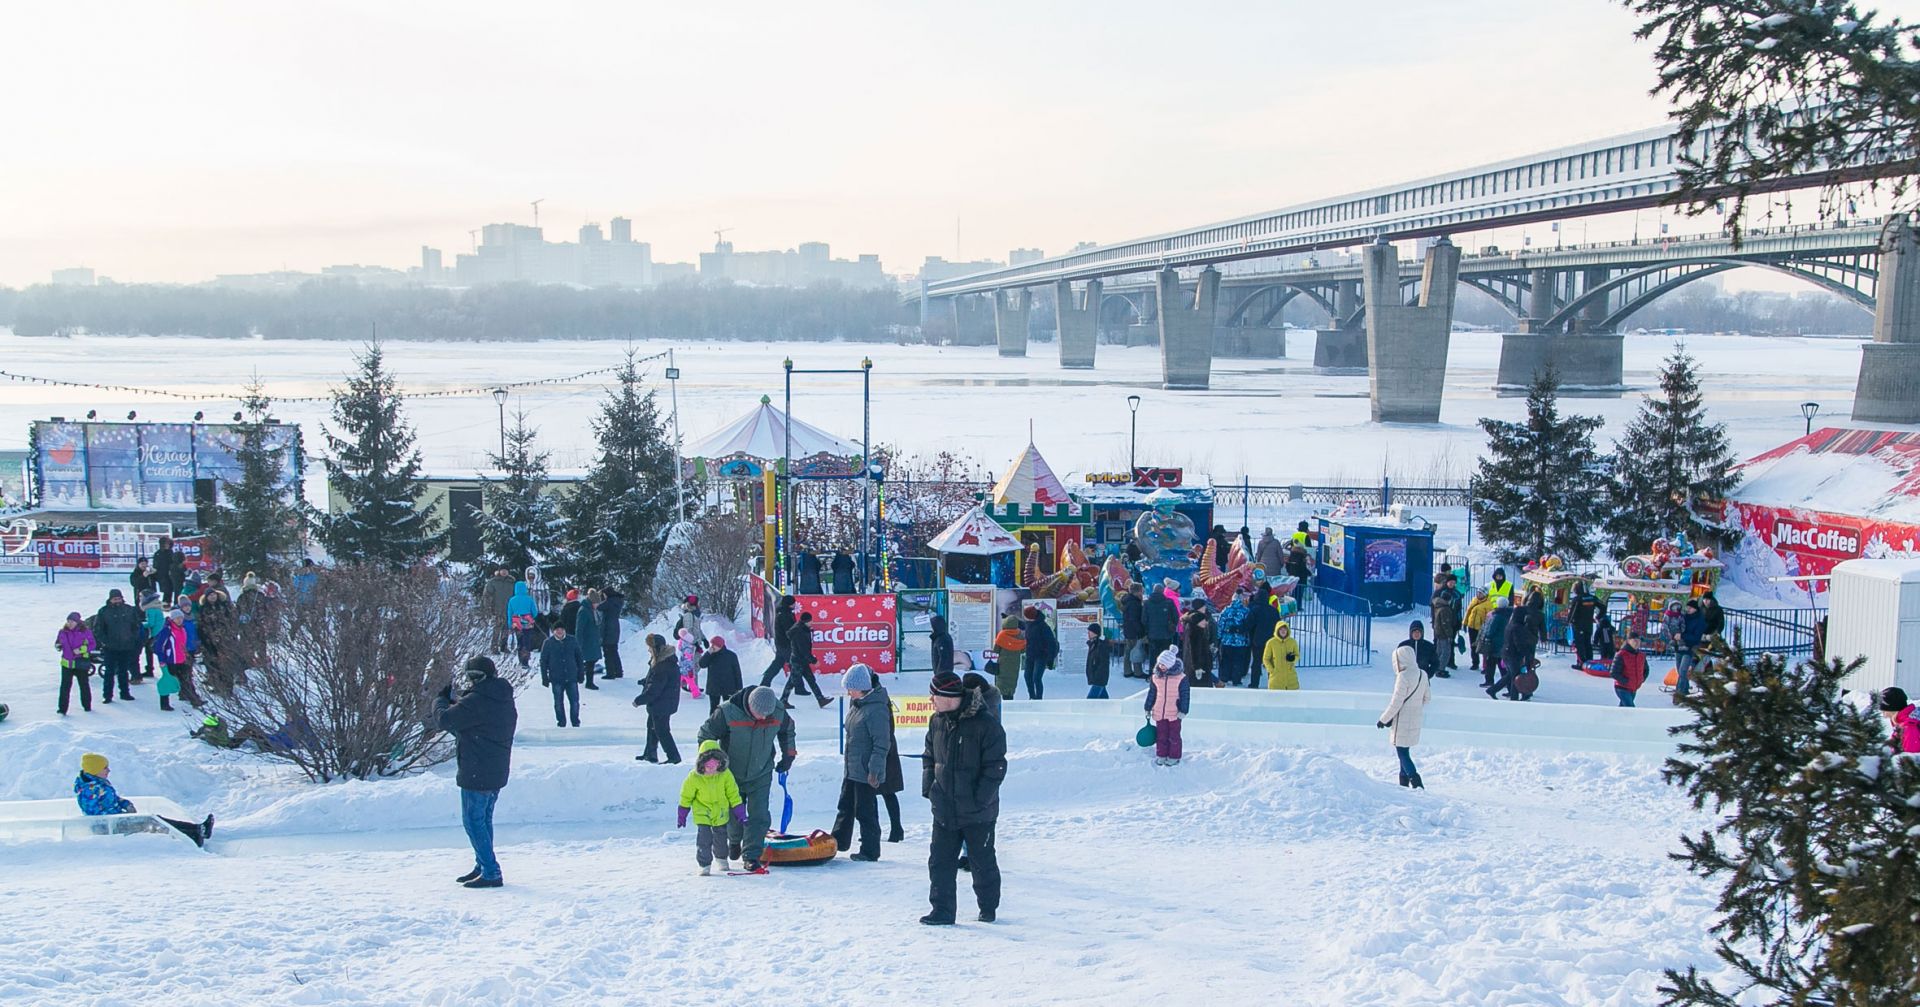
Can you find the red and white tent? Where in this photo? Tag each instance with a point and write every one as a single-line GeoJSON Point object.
{"type": "Point", "coordinates": [975, 534]}
{"type": "Point", "coordinates": [1030, 481]}
{"type": "Point", "coordinates": [1833, 495]}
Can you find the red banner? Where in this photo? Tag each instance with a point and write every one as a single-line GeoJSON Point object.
{"type": "Point", "coordinates": [850, 629]}
{"type": "Point", "coordinates": [78, 553]}
{"type": "Point", "coordinates": [1810, 543]}
{"type": "Point", "coordinates": [195, 553]}
{"type": "Point", "coordinates": [757, 590]}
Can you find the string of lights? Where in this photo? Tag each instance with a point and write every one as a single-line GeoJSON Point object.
{"type": "Point", "coordinates": [235, 397]}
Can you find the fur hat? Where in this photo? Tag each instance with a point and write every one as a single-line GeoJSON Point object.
{"type": "Point", "coordinates": [93, 764]}
{"type": "Point", "coordinates": [858, 677]}
{"type": "Point", "coordinates": [1893, 699]}
{"type": "Point", "coordinates": [762, 701]}
{"type": "Point", "coordinates": [946, 683]}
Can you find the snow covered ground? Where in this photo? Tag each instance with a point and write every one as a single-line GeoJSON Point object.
{"type": "Point", "coordinates": [1279, 864]}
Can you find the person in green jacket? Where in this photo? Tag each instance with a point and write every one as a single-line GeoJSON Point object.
{"type": "Point", "coordinates": [712, 798]}
{"type": "Point", "coordinates": [753, 728]}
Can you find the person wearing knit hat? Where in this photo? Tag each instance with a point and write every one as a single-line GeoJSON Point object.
{"type": "Point", "coordinates": [77, 651]}
{"type": "Point", "coordinates": [1900, 713]}
{"type": "Point", "coordinates": [868, 738]}
{"type": "Point", "coordinates": [962, 766]}
{"type": "Point", "coordinates": [96, 796]}
{"type": "Point", "coordinates": [477, 708]}
{"type": "Point", "coordinates": [757, 734]}
{"type": "Point", "coordinates": [723, 673]}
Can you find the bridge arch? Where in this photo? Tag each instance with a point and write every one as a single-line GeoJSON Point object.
{"type": "Point", "coordinates": [1657, 283]}
{"type": "Point", "coordinates": [1118, 308]}
{"type": "Point", "coordinates": [1288, 291]}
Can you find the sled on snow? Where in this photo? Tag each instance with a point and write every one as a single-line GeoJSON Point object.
{"type": "Point", "coordinates": [783, 850]}
{"type": "Point", "coordinates": [61, 820]}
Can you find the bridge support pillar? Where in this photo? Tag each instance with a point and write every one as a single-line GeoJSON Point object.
{"type": "Point", "coordinates": [1010, 320]}
{"type": "Point", "coordinates": [1593, 317]}
{"type": "Point", "coordinates": [1340, 349]}
{"type": "Point", "coordinates": [1078, 323]}
{"type": "Point", "coordinates": [1888, 389]}
{"type": "Point", "coordinates": [1585, 361]}
{"type": "Point", "coordinates": [1266, 342]}
{"type": "Point", "coordinates": [1407, 344]}
{"type": "Point", "coordinates": [1186, 329]}
{"type": "Point", "coordinates": [971, 324]}
{"type": "Point", "coordinates": [1540, 300]}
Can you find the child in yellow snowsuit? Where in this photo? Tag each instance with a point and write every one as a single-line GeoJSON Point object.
{"type": "Point", "coordinates": [1282, 653]}
{"type": "Point", "coordinates": [710, 795]}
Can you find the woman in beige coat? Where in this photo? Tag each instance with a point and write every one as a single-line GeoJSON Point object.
{"type": "Point", "coordinates": [1406, 710]}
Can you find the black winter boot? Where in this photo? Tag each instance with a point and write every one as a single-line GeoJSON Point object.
{"type": "Point", "coordinates": [1403, 779]}
{"type": "Point", "coordinates": [1414, 781]}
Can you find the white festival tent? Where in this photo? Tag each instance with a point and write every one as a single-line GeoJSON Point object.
{"type": "Point", "coordinates": [975, 534]}
{"type": "Point", "coordinates": [757, 441]}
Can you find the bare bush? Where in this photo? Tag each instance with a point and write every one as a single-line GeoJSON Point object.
{"type": "Point", "coordinates": [343, 675]}
{"type": "Point", "coordinates": [708, 557]}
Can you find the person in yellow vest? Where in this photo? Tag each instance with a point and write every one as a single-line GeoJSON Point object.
{"type": "Point", "coordinates": [1281, 654]}
{"type": "Point", "coordinates": [1500, 587]}
{"type": "Point", "coordinates": [1300, 536]}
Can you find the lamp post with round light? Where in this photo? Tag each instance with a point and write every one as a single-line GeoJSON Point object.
{"type": "Point", "coordinates": [1133, 435]}
{"type": "Point", "coordinates": [1809, 410]}
{"type": "Point", "coordinates": [500, 400]}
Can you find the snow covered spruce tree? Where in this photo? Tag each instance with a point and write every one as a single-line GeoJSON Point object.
{"type": "Point", "coordinates": [374, 466]}
{"type": "Point", "coordinates": [259, 523]}
{"type": "Point", "coordinates": [617, 517]}
{"type": "Point", "coordinates": [1541, 487]}
{"type": "Point", "coordinates": [1671, 465]}
{"type": "Point", "coordinates": [519, 524]}
{"type": "Point", "coordinates": [1743, 73]}
{"type": "Point", "coordinates": [1817, 843]}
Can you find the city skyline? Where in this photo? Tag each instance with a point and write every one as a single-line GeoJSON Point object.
{"type": "Point", "coordinates": [197, 143]}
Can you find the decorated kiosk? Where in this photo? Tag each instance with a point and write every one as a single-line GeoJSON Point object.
{"type": "Point", "coordinates": [1655, 581]}
{"type": "Point", "coordinates": [1382, 561]}
{"type": "Point", "coordinates": [1549, 577]}
{"type": "Point", "coordinates": [974, 549]}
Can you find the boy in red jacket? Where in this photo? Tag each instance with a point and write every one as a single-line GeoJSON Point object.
{"type": "Point", "coordinates": [1629, 670]}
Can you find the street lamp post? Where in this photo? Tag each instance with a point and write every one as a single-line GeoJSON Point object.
{"type": "Point", "coordinates": [679, 493]}
{"type": "Point", "coordinates": [1133, 435]}
{"type": "Point", "coordinates": [1809, 410]}
{"type": "Point", "coordinates": [500, 399]}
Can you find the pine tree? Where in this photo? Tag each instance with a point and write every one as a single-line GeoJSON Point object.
{"type": "Point", "coordinates": [520, 525]}
{"type": "Point", "coordinates": [1541, 488]}
{"type": "Point", "coordinates": [1671, 466]}
{"type": "Point", "coordinates": [1817, 839]}
{"type": "Point", "coordinates": [617, 517]}
{"type": "Point", "coordinates": [374, 466]}
{"type": "Point", "coordinates": [259, 523]}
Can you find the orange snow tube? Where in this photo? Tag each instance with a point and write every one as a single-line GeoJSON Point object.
{"type": "Point", "coordinates": [1672, 681]}
{"type": "Point", "coordinates": [783, 850]}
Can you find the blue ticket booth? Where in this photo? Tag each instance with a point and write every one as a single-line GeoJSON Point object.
{"type": "Point", "coordinates": [1384, 564]}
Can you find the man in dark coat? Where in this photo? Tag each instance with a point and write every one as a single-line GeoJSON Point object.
{"type": "Point", "coordinates": [494, 595]}
{"type": "Point", "coordinates": [477, 709]}
{"type": "Point", "coordinates": [1445, 606]}
{"type": "Point", "coordinates": [1262, 616]}
{"type": "Point", "coordinates": [1043, 648]}
{"type": "Point", "coordinates": [961, 769]}
{"type": "Point", "coordinates": [1516, 651]}
{"type": "Point", "coordinates": [1493, 638]}
{"type": "Point", "coordinates": [869, 736]}
{"type": "Point", "coordinates": [842, 568]}
{"type": "Point", "coordinates": [800, 661]}
{"type": "Point", "coordinates": [723, 673]}
{"type": "Point", "coordinates": [1163, 623]}
{"type": "Point", "coordinates": [783, 620]}
{"type": "Point", "coordinates": [169, 571]}
{"type": "Point", "coordinates": [560, 670]}
{"type": "Point", "coordinates": [1582, 609]}
{"type": "Point", "coordinates": [612, 607]}
{"type": "Point", "coordinates": [1133, 632]}
{"type": "Point", "coordinates": [1424, 654]}
{"type": "Point", "coordinates": [118, 628]}
{"type": "Point", "coordinates": [660, 694]}
{"type": "Point", "coordinates": [758, 738]}
{"type": "Point", "coordinates": [940, 639]}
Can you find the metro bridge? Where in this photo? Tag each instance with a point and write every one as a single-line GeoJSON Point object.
{"type": "Point", "coordinates": [1205, 290]}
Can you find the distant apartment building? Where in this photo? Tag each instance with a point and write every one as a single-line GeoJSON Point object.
{"type": "Point", "coordinates": [79, 276]}
{"type": "Point", "coordinates": [516, 253]}
{"type": "Point", "coordinates": [675, 272]}
{"type": "Point", "coordinates": [936, 268]}
{"type": "Point", "coordinates": [807, 265]}
{"type": "Point", "coordinates": [1019, 255]}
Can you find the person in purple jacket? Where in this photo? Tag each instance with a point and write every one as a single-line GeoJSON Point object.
{"type": "Point", "coordinates": [77, 652]}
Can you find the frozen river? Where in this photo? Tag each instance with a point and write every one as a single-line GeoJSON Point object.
{"type": "Point", "coordinates": [1272, 420]}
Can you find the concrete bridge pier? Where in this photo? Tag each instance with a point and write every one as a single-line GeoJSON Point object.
{"type": "Point", "coordinates": [1888, 389]}
{"type": "Point", "coordinates": [972, 325]}
{"type": "Point", "coordinates": [1407, 344]}
{"type": "Point", "coordinates": [1078, 323]}
{"type": "Point", "coordinates": [1540, 300]}
{"type": "Point", "coordinates": [1591, 360]}
{"type": "Point", "coordinates": [1593, 317]}
{"type": "Point", "coordinates": [1186, 329]}
{"type": "Point", "coordinates": [1010, 320]}
{"type": "Point", "coordinates": [1340, 347]}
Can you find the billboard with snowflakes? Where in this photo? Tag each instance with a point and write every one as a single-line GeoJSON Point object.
{"type": "Point", "coordinates": [850, 629]}
{"type": "Point", "coordinates": [1781, 543]}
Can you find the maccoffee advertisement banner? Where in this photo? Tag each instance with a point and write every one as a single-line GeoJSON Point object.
{"type": "Point", "coordinates": [1810, 543]}
{"type": "Point", "coordinates": [850, 629]}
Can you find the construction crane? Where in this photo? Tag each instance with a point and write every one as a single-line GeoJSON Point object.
{"type": "Point", "coordinates": [718, 234]}
{"type": "Point", "coordinates": [474, 236]}
{"type": "Point", "coordinates": [536, 210]}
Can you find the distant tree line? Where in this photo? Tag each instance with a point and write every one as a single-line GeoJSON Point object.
{"type": "Point", "coordinates": [330, 309]}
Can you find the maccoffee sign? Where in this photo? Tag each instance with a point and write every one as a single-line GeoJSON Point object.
{"type": "Point", "coordinates": [1810, 543]}
{"type": "Point", "coordinates": [850, 629]}
{"type": "Point", "coordinates": [68, 553]}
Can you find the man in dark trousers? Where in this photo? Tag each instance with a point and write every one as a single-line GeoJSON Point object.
{"type": "Point", "coordinates": [800, 661]}
{"type": "Point", "coordinates": [869, 739]}
{"type": "Point", "coordinates": [612, 607]}
{"type": "Point", "coordinates": [723, 673]}
{"type": "Point", "coordinates": [757, 736]}
{"type": "Point", "coordinates": [961, 769]}
{"type": "Point", "coordinates": [560, 669]}
{"type": "Point", "coordinates": [783, 620]}
{"type": "Point", "coordinates": [477, 709]}
{"type": "Point", "coordinates": [494, 595]}
{"type": "Point", "coordinates": [1163, 622]}
{"type": "Point", "coordinates": [1133, 632]}
{"type": "Point", "coordinates": [1582, 610]}
{"type": "Point", "coordinates": [169, 571]}
{"type": "Point", "coordinates": [117, 627]}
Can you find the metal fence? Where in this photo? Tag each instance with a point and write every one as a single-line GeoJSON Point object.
{"type": "Point", "coordinates": [1228, 495]}
{"type": "Point", "coordinates": [1784, 631]}
{"type": "Point", "coordinates": [1337, 635]}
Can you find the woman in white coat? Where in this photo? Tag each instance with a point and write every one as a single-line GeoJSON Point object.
{"type": "Point", "coordinates": [1406, 710]}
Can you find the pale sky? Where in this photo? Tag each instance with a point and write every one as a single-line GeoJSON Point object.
{"type": "Point", "coordinates": [170, 142]}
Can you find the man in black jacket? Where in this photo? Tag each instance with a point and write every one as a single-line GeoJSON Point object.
{"type": "Point", "coordinates": [1516, 651]}
{"type": "Point", "coordinates": [961, 769]}
{"type": "Point", "coordinates": [1582, 609]}
{"type": "Point", "coordinates": [723, 673]}
{"type": "Point", "coordinates": [169, 570]}
{"type": "Point", "coordinates": [477, 709]}
{"type": "Point", "coordinates": [783, 621]}
{"type": "Point", "coordinates": [612, 606]}
{"type": "Point", "coordinates": [117, 627]}
{"type": "Point", "coordinates": [1424, 655]}
{"type": "Point", "coordinates": [1163, 622]}
{"type": "Point", "coordinates": [800, 661]}
{"type": "Point", "coordinates": [1133, 632]}
{"type": "Point", "coordinates": [1262, 616]}
{"type": "Point", "coordinates": [560, 670]}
